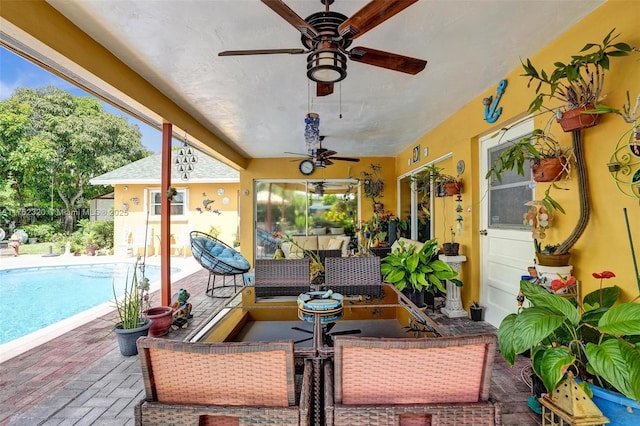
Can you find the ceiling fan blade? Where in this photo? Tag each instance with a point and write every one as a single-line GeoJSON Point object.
{"type": "Point", "coordinates": [324, 89]}
{"type": "Point", "coordinates": [291, 17]}
{"type": "Point", "coordinates": [371, 15]}
{"type": "Point", "coordinates": [355, 160]}
{"type": "Point", "coordinates": [326, 153]}
{"type": "Point", "coordinates": [260, 52]}
{"type": "Point", "coordinates": [297, 153]}
{"type": "Point", "coordinates": [388, 60]}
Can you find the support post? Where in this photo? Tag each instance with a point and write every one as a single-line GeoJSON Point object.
{"type": "Point", "coordinates": [165, 216]}
{"type": "Point", "coordinates": [453, 303]}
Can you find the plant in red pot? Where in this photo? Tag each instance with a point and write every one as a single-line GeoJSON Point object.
{"type": "Point", "coordinates": [578, 84]}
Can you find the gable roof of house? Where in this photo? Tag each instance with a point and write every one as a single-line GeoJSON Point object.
{"type": "Point", "coordinates": [148, 171]}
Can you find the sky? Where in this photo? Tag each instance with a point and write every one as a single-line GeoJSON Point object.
{"type": "Point", "coordinates": [17, 72]}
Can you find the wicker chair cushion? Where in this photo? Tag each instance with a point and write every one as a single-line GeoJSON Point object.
{"type": "Point", "coordinates": [255, 374]}
{"type": "Point", "coordinates": [455, 370]}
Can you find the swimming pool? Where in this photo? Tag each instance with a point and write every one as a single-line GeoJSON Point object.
{"type": "Point", "coordinates": [36, 297]}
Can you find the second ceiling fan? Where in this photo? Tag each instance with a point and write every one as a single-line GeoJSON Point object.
{"type": "Point", "coordinates": [327, 35]}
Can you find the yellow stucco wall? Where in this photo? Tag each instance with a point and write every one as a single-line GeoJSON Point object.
{"type": "Point", "coordinates": [604, 244]}
{"type": "Point", "coordinates": [135, 215]}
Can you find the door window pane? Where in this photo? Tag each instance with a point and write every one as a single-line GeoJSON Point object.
{"type": "Point", "coordinates": [507, 198]}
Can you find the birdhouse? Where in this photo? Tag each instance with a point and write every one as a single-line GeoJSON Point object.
{"type": "Point", "coordinates": [568, 404]}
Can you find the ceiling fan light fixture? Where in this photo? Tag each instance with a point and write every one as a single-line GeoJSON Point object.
{"type": "Point", "coordinates": [326, 65]}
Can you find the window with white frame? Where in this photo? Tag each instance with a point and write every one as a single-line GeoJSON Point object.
{"type": "Point", "coordinates": [178, 203]}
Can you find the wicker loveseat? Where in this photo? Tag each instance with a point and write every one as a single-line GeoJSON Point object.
{"type": "Point", "coordinates": [380, 381]}
{"type": "Point", "coordinates": [222, 384]}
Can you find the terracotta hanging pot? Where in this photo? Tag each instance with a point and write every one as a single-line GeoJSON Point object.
{"type": "Point", "coordinates": [452, 188]}
{"type": "Point", "coordinates": [548, 169]}
{"type": "Point", "coordinates": [574, 119]}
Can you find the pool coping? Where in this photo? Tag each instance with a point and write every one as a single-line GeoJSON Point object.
{"type": "Point", "coordinates": [22, 344]}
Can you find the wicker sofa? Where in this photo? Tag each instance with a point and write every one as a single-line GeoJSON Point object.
{"type": "Point", "coordinates": [380, 381]}
{"type": "Point", "coordinates": [222, 384]}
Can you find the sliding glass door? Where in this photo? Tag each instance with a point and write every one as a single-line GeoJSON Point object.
{"type": "Point", "coordinates": [294, 207]}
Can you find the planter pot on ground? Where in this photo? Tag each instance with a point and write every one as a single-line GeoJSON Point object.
{"type": "Point", "coordinates": [548, 169]}
{"type": "Point", "coordinates": [127, 337]}
{"type": "Point", "coordinates": [416, 297]}
{"type": "Point", "coordinates": [477, 314]}
{"type": "Point", "coordinates": [162, 318]}
{"type": "Point", "coordinates": [621, 410]}
{"type": "Point", "coordinates": [574, 119]}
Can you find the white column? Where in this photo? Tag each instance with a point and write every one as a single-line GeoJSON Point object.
{"type": "Point", "coordinates": [453, 303]}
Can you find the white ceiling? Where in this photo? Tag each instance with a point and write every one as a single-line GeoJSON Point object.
{"type": "Point", "coordinates": [257, 104]}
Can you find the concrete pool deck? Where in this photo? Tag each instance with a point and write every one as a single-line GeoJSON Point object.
{"type": "Point", "coordinates": [80, 378]}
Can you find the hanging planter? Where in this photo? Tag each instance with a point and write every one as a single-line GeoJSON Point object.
{"type": "Point", "coordinates": [452, 188]}
{"type": "Point", "coordinates": [575, 119]}
{"type": "Point", "coordinates": [548, 169]}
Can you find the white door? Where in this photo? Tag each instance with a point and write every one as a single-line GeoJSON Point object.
{"type": "Point", "coordinates": [506, 244]}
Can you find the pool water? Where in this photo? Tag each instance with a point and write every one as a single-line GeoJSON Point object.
{"type": "Point", "coordinates": [34, 298]}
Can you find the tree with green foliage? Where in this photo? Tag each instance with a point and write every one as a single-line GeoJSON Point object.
{"type": "Point", "coordinates": [52, 142]}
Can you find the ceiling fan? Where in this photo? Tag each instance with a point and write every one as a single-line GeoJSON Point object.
{"type": "Point", "coordinates": [319, 158]}
{"type": "Point", "coordinates": [327, 35]}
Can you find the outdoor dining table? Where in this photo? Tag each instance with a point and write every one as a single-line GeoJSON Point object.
{"type": "Point", "coordinates": [245, 317]}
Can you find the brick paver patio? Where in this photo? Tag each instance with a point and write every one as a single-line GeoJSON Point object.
{"type": "Point", "coordinates": [80, 378]}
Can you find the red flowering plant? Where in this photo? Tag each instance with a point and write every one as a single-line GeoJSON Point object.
{"type": "Point", "coordinates": [597, 338]}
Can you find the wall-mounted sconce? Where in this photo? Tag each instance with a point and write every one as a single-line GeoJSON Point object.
{"type": "Point", "coordinates": [135, 200]}
{"type": "Point", "coordinates": [125, 207]}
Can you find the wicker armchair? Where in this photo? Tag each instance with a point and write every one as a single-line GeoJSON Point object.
{"type": "Point", "coordinates": [224, 383]}
{"type": "Point", "coordinates": [380, 381]}
{"type": "Point", "coordinates": [285, 277]}
{"type": "Point", "coordinates": [219, 259]}
{"type": "Point", "coordinates": [353, 276]}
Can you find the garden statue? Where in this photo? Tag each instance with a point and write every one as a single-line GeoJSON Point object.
{"type": "Point", "coordinates": [182, 308]}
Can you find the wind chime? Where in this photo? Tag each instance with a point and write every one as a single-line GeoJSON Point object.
{"type": "Point", "coordinates": [185, 160]}
{"type": "Point", "coordinates": [459, 217]}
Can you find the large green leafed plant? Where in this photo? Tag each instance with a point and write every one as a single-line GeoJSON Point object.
{"type": "Point", "coordinates": [417, 270]}
{"type": "Point", "coordinates": [597, 339]}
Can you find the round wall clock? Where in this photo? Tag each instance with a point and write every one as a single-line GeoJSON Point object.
{"type": "Point", "coordinates": [307, 167]}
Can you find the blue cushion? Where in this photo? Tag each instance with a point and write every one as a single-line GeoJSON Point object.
{"type": "Point", "coordinates": [219, 258]}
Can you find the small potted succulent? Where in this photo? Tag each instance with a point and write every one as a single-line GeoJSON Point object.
{"type": "Point", "coordinates": [477, 311]}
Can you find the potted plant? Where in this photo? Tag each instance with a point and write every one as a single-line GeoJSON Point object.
{"type": "Point", "coordinates": [578, 83]}
{"type": "Point", "coordinates": [594, 337]}
{"type": "Point", "coordinates": [373, 185]}
{"type": "Point", "coordinates": [132, 323]}
{"type": "Point", "coordinates": [549, 162]}
{"type": "Point", "coordinates": [477, 311]}
{"type": "Point", "coordinates": [451, 248]}
{"type": "Point", "coordinates": [449, 185]}
{"type": "Point", "coordinates": [549, 256]}
{"type": "Point", "coordinates": [414, 272]}
{"type": "Point", "coordinates": [90, 243]}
